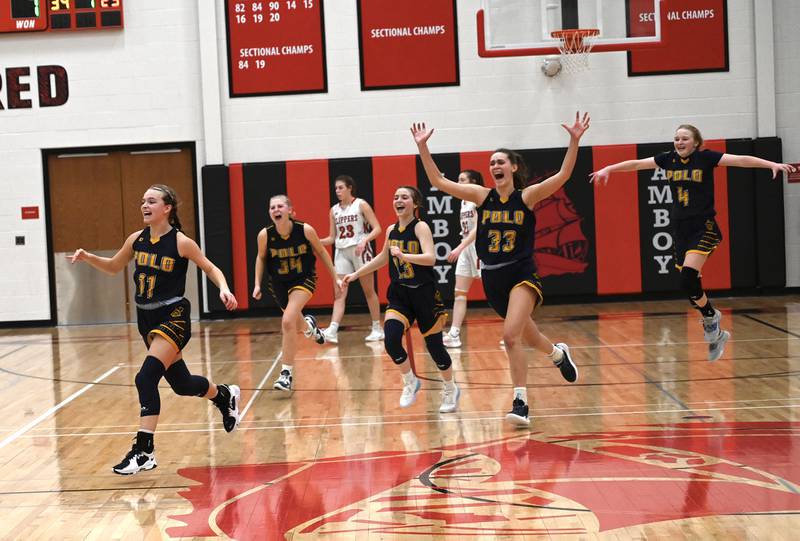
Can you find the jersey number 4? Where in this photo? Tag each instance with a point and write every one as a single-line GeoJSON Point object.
{"type": "Point", "coordinates": [683, 196]}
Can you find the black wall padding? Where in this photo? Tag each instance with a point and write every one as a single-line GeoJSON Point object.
{"type": "Point", "coordinates": [217, 227]}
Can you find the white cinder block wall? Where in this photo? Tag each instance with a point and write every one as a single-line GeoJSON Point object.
{"type": "Point", "coordinates": [143, 85]}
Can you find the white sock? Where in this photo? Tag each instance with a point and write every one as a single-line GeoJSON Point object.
{"type": "Point", "coordinates": [454, 331]}
{"type": "Point", "coordinates": [376, 325]}
{"type": "Point", "coordinates": [449, 384]}
{"type": "Point", "coordinates": [333, 327]}
{"type": "Point", "coordinates": [557, 354]}
{"type": "Point", "coordinates": [286, 367]}
{"type": "Point", "coordinates": [409, 378]}
{"type": "Point", "coordinates": [521, 393]}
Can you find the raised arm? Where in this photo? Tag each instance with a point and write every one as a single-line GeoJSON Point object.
{"type": "Point", "coordinates": [331, 238]}
{"type": "Point", "coordinates": [535, 193]}
{"type": "Point", "coordinates": [190, 250]}
{"type": "Point", "coordinates": [467, 192]}
{"type": "Point", "coordinates": [428, 255]}
{"type": "Point", "coordinates": [261, 258]}
{"type": "Point", "coordinates": [322, 253]}
{"type": "Point", "coordinates": [734, 160]}
{"type": "Point", "coordinates": [377, 262]}
{"type": "Point", "coordinates": [109, 265]}
{"type": "Point", "coordinates": [601, 175]}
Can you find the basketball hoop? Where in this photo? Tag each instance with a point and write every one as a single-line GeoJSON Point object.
{"type": "Point", "coordinates": [575, 46]}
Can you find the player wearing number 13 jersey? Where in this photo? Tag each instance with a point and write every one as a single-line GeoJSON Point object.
{"type": "Point", "coordinates": [689, 170]}
{"type": "Point", "coordinates": [504, 243]}
{"type": "Point", "coordinates": [412, 296]}
{"type": "Point", "coordinates": [161, 253]}
{"type": "Point", "coordinates": [353, 228]}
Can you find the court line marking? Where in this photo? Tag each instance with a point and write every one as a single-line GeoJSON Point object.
{"type": "Point", "coordinates": [260, 386]}
{"type": "Point", "coordinates": [707, 403]}
{"type": "Point", "coordinates": [57, 407]}
{"type": "Point", "coordinates": [437, 420]}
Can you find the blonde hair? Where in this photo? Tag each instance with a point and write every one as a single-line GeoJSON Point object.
{"type": "Point", "coordinates": [698, 137]}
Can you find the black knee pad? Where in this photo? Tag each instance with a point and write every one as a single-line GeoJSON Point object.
{"type": "Point", "coordinates": [437, 350]}
{"type": "Point", "coordinates": [183, 382]}
{"type": "Point", "coordinates": [147, 384]}
{"type": "Point", "coordinates": [690, 283]}
{"type": "Point", "coordinates": [393, 332]}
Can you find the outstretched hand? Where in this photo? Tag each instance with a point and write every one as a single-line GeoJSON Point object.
{"type": "Point", "coordinates": [580, 126]}
{"type": "Point", "coordinates": [600, 177]}
{"type": "Point", "coordinates": [421, 133]}
{"type": "Point", "coordinates": [79, 255]}
{"type": "Point", "coordinates": [782, 168]}
{"type": "Point", "coordinates": [346, 279]}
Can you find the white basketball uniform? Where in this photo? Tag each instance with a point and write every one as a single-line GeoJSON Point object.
{"type": "Point", "coordinates": [467, 264]}
{"type": "Point", "coordinates": [350, 228]}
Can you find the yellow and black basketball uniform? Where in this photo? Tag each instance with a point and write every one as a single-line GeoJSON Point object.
{"type": "Point", "coordinates": [691, 183]}
{"type": "Point", "coordinates": [412, 292]}
{"type": "Point", "coordinates": [159, 281]}
{"type": "Point", "coordinates": [504, 244]}
{"type": "Point", "coordinates": [291, 263]}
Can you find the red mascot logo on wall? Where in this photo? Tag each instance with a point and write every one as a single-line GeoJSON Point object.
{"type": "Point", "coordinates": [521, 487]}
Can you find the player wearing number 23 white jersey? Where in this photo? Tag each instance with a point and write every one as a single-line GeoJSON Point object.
{"type": "Point", "coordinates": [353, 227]}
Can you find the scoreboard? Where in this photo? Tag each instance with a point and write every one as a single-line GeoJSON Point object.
{"type": "Point", "coordinates": [56, 15]}
{"type": "Point", "coordinates": [275, 47]}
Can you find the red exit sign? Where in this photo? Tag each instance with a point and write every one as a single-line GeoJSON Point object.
{"type": "Point", "coordinates": [30, 213]}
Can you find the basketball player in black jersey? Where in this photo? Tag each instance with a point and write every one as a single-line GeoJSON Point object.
{"type": "Point", "coordinates": [504, 242]}
{"type": "Point", "coordinates": [161, 253]}
{"type": "Point", "coordinates": [286, 249]}
{"type": "Point", "coordinates": [690, 173]}
{"type": "Point", "coordinates": [412, 294]}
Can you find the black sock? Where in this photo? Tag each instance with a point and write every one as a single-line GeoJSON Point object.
{"type": "Point", "coordinates": [223, 397]}
{"type": "Point", "coordinates": [707, 310]}
{"type": "Point", "coordinates": [144, 441]}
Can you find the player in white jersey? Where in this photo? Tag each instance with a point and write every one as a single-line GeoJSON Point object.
{"type": "Point", "coordinates": [353, 226]}
{"type": "Point", "coordinates": [466, 260]}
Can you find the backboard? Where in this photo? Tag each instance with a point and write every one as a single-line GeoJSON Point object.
{"type": "Point", "coordinates": [524, 27]}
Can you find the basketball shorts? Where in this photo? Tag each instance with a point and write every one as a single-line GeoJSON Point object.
{"type": "Point", "coordinates": [423, 304]}
{"type": "Point", "coordinates": [346, 261]}
{"type": "Point", "coordinates": [699, 235]}
{"type": "Point", "coordinates": [498, 283]}
{"type": "Point", "coordinates": [172, 322]}
{"type": "Point", "coordinates": [467, 264]}
{"type": "Point", "coordinates": [280, 289]}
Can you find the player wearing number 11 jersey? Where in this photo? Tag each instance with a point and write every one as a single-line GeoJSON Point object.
{"type": "Point", "coordinates": [690, 172]}
{"type": "Point", "coordinates": [353, 227]}
{"type": "Point", "coordinates": [161, 253]}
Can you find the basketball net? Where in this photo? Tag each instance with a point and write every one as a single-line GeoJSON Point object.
{"type": "Point", "coordinates": [575, 46]}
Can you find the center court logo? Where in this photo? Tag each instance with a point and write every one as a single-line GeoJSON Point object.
{"type": "Point", "coordinates": [521, 487]}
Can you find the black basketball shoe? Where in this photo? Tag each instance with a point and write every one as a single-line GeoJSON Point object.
{"type": "Point", "coordinates": [227, 402]}
{"type": "Point", "coordinates": [568, 369]}
{"type": "Point", "coordinates": [518, 415]}
{"type": "Point", "coordinates": [135, 461]}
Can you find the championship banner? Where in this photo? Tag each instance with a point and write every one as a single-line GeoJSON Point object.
{"type": "Point", "coordinates": [694, 40]}
{"type": "Point", "coordinates": [413, 43]}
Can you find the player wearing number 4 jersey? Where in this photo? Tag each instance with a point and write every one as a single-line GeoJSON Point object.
{"type": "Point", "coordinates": [353, 227]}
{"type": "Point", "coordinates": [690, 173]}
{"type": "Point", "coordinates": [288, 250]}
{"type": "Point", "coordinates": [504, 243]}
{"type": "Point", "coordinates": [161, 253]}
